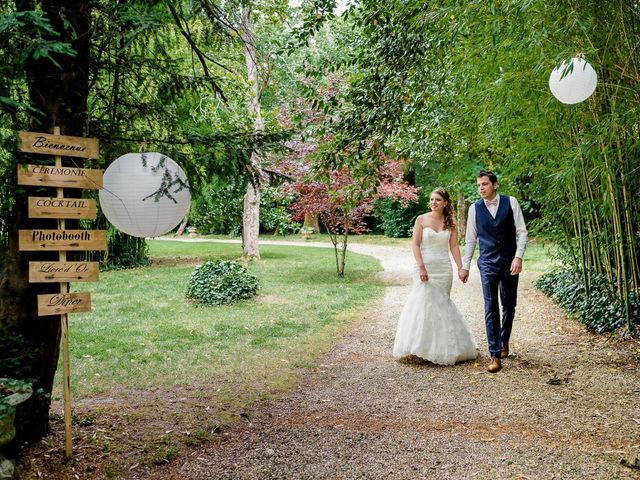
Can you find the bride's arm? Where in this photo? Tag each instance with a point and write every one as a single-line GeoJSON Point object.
{"type": "Point", "coordinates": [454, 247]}
{"type": "Point", "coordinates": [415, 246]}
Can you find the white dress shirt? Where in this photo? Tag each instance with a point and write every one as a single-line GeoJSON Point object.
{"type": "Point", "coordinates": [471, 237]}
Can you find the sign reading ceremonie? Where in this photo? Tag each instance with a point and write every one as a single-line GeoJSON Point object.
{"type": "Point", "coordinates": [61, 240]}
{"type": "Point", "coordinates": [48, 176]}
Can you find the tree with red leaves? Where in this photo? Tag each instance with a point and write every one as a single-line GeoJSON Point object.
{"type": "Point", "coordinates": [340, 201]}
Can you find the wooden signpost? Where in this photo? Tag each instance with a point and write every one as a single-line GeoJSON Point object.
{"type": "Point", "coordinates": [51, 207]}
{"type": "Point", "coordinates": [42, 272]}
{"type": "Point", "coordinates": [59, 145]}
{"type": "Point", "coordinates": [61, 240]}
{"type": "Point", "coordinates": [45, 175]}
{"type": "Point", "coordinates": [38, 240]}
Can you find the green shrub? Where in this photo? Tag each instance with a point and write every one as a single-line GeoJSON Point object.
{"type": "Point", "coordinates": [274, 212]}
{"type": "Point", "coordinates": [218, 209]}
{"type": "Point", "coordinates": [601, 310]}
{"type": "Point", "coordinates": [396, 220]}
{"type": "Point", "coordinates": [219, 282]}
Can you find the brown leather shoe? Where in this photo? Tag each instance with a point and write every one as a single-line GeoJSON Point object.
{"type": "Point", "coordinates": [505, 350]}
{"type": "Point", "coordinates": [494, 366]}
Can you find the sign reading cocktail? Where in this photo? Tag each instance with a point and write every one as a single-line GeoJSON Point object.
{"type": "Point", "coordinates": [52, 207]}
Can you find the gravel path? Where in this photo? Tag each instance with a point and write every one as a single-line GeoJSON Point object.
{"type": "Point", "coordinates": [565, 406]}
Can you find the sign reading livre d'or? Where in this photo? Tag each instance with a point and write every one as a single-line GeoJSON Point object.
{"type": "Point", "coordinates": [52, 176]}
{"type": "Point", "coordinates": [65, 146]}
{"type": "Point", "coordinates": [52, 207]}
{"type": "Point", "coordinates": [37, 240]}
{"type": "Point", "coordinates": [59, 303]}
{"type": "Point", "coordinates": [63, 272]}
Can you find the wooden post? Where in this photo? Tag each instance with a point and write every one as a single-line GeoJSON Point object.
{"type": "Point", "coordinates": [64, 319]}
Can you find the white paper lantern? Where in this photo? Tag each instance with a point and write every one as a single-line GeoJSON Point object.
{"type": "Point", "coordinates": [132, 197]}
{"type": "Point", "coordinates": [577, 85]}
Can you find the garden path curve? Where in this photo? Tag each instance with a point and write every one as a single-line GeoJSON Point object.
{"type": "Point", "coordinates": [566, 404]}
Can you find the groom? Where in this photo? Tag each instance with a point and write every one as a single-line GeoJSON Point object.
{"type": "Point", "coordinates": [496, 222]}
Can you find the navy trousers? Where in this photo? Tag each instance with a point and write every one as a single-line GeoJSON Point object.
{"type": "Point", "coordinates": [499, 287]}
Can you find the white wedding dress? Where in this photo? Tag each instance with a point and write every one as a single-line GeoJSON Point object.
{"type": "Point", "coordinates": [431, 326]}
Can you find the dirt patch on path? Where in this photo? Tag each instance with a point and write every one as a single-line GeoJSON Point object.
{"type": "Point", "coordinates": [566, 405]}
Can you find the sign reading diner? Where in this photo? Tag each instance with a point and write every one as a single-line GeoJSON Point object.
{"type": "Point", "coordinates": [59, 303]}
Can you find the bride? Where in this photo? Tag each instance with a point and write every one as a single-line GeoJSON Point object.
{"type": "Point", "coordinates": [430, 325]}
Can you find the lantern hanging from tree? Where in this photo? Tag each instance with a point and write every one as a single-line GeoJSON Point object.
{"type": "Point", "coordinates": [573, 81]}
{"type": "Point", "coordinates": [145, 194]}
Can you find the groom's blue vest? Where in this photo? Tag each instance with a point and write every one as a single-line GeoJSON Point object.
{"type": "Point", "coordinates": [496, 236]}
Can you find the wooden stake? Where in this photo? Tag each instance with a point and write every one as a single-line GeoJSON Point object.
{"type": "Point", "coordinates": [64, 319]}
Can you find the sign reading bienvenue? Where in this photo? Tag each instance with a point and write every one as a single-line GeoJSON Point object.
{"type": "Point", "coordinates": [65, 146]}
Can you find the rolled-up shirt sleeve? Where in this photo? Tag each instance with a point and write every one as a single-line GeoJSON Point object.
{"type": "Point", "coordinates": [470, 238]}
{"type": "Point", "coordinates": [521, 229]}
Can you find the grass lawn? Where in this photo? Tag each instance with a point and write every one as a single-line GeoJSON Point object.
{"type": "Point", "coordinates": [142, 332]}
{"type": "Point", "coordinates": [369, 238]}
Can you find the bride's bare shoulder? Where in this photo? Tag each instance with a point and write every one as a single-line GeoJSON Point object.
{"type": "Point", "coordinates": [423, 220]}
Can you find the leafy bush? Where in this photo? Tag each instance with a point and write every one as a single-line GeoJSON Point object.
{"type": "Point", "coordinates": [218, 209]}
{"type": "Point", "coordinates": [396, 220]}
{"type": "Point", "coordinates": [601, 310]}
{"type": "Point", "coordinates": [219, 282]}
{"type": "Point", "coordinates": [274, 212]}
{"type": "Point", "coordinates": [17, 355]}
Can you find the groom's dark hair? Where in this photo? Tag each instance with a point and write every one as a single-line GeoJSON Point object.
{"type": "Point", "coordinates": [488, 173]}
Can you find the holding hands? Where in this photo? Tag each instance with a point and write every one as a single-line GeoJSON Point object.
{"type": "Point", "coordinates": [463, 275]}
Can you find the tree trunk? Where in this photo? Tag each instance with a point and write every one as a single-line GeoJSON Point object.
{"type": "Point", "coordinates": [461, 215]}
{"type": "Point", "coordinates": [61, 95]}
{"type": "Point", "coordinates": [312, 221]}
{"type": "Point", "coordinates": [183, 224]}
{"type": "Point", "coordinates": [251, 223]}
{"type": "Point", "coordinates": [251, 213]}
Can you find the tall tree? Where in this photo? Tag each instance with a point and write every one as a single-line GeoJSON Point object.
{"type": "Point", "coordinates": [251, 213]}
{"type": "Point", "coordinates": [58, 88]}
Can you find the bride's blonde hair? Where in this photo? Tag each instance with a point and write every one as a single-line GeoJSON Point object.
{"type": "Point", "coordinates": [447, 212]}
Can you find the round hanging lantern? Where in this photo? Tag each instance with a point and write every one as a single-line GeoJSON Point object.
{"type": "Point", "coordinates": [145, 194]}
{"type": "Point", "coordinates": [577, 85]}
